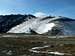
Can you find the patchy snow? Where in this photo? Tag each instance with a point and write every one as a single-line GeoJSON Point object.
{"type": "Point", "coordinates": [40, 47]}
{"type": "Point", "coordinates": [45, 28]}
{"type": "Point", "coordinates": [35, 50]}
{"type": "Point", "coordinates": [57, 53]}
{"type": "Point", "coordinates": [9, 52]}
{"type": "Point", "coordinates": [36, 25]}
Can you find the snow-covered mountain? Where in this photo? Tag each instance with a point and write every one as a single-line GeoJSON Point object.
{"type": "Point", "coordinates": [37, 25]}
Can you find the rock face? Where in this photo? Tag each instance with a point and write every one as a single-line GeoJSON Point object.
{"type": "Point", "coordinates": [30, 24]}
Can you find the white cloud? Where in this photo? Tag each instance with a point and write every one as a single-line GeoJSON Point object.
{"type": "Point", "coordinates": [40, 14]}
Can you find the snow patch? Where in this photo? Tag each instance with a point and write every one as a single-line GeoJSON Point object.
{"type": "Point", "coordinates": [57, 53]}
{"type": "Point", "coordinates": [45, 28]}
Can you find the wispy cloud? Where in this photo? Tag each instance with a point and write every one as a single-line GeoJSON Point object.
{"type": "Point", "coordinates": [40, 14]}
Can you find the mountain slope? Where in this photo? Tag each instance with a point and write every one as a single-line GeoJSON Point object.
{"type": "Point", "coordinates": [30, 24]}
{"type": "Point", "coordinates": [9, 21]}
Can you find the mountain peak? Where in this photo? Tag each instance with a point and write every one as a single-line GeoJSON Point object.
{"type": "Point", "coordinates": [30, 24]}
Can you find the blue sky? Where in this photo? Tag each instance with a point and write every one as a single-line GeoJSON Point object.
{"type": "Point", "coordinates": [49, 7]}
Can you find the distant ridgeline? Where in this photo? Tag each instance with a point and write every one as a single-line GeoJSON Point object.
{"type": "Point", "coordinates": [29, 24]}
